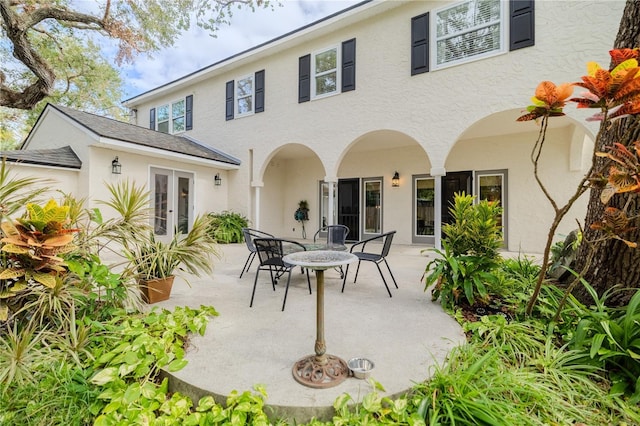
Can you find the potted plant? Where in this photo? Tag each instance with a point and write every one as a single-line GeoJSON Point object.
{"type": "Point", "coordinates": [302, 214]}
{"type": "Point", "coordinates": [155, 263]}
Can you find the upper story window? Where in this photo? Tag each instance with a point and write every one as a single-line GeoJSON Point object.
{"type": "Point", "coordinates": [468, 30]}
{"type": "Point", "coordinates": [245, 96]}
{"type": "Point", "coordinates": [325, 72]}
{"type": "Point", "coordinates": [174, 117]}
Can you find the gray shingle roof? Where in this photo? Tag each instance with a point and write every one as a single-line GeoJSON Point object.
{"type": "Point", "coordinates": [118, 130]}
{"type": "Point", "coordinates": [59, 157]}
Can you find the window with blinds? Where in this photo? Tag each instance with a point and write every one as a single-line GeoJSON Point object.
{"type": "Point", "coordinates": [467, 31]}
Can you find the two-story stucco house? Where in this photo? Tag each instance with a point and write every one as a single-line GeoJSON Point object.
{"type": "Point", "coordinates": [426, 92]}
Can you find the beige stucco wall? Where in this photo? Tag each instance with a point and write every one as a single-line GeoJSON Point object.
{"type": "Point", "coordinates": [55, 181]}
{"type": "Point", "coordinates": [55, 130]}
{"type": "Point", "coordinates": [433, 109]}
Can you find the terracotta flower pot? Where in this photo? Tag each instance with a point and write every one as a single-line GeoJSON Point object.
{"type": "Point", "coordinates": [156, 290]}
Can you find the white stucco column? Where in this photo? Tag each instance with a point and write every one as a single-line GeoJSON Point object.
{"type": "Point", "coordinates": [331, 184]}
{"type": "Point", "coordinates": [256, 186]}
{"type": "Point", "coordinates": [437, 173]}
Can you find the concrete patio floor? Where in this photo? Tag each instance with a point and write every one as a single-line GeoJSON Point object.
{"type": "Point", "coordinates": [404, 335]}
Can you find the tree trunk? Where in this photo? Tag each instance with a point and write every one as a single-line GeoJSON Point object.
{"type": "Point", "coordinates": [614, 263]}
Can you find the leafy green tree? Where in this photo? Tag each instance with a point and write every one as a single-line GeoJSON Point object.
{"type": "Point", "coordinates": [49, 50]}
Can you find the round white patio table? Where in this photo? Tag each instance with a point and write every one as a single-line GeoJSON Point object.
{"type": "Point", "coordinates": [321, 370]}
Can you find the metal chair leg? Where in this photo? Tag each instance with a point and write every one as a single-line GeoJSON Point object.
{"type": "Point", "coordinates": [344, 280]}
{"type": "Point", "coordinates": [286, 290]}
{"type": "Point", "coordinates": [383, 280]}
{"type": "Point", "coordinates": [253, 293]}
{"type": "Point", "coordinates": [248, 263]}
{"type": "Point", "coordinates": [391, 273]}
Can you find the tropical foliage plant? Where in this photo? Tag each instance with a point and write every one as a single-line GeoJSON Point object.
{"type": "Point", "coordinates": [151, 258]}
{"type": "Point", "coordinates": [226, 227]}
{"type": "Point", "coordinates": [615, 92]}
{"type": "Point", "coordinates": [32, 247]}
{"type": "Point", "coordinates": [470, 253]}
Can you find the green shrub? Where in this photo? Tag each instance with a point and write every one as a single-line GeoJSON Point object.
{"type": "Point", "coordinates": [470, 256]}
{"type": "Point", "coordinates": [226, 227]}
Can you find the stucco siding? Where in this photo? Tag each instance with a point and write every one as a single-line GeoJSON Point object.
{"type": "Point", "coordinates": [435, 110]}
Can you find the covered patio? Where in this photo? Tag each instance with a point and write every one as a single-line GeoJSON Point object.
{"type": "Point", "coordinates": [404, 335]}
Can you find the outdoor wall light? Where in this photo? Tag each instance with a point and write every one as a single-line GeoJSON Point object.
{"type": "Point", "coordinates": [217, 180]}
{"type": "Point", "coordinates": [116, 167]}
{"type": "Point", "coordinates": [395, 180]}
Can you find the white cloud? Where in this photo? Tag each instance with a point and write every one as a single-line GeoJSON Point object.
{"type": "Point", "coordinates": [196, 49]}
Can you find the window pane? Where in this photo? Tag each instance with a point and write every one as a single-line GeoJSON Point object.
{"type": "Point", "coordinates": [163, 113]}
{"type": "Point", "coordinates": [163, 127]}
{"type": "Point", "coordinates": [160, 204]}
{"type": "Point", "coordinates": [468, 29]}
{"type": "Point", "coordinates": [425, 195]}
{"type": "Point", "coordinates": [469, 44]}
{"type": "Point", "coordinates": [183, 205]}
{"type": "Point", "coordinates": [244, 87]}
{"type": "Point", "coordinates": [491, 189]}
{"type": "Point", "coordinates": [178, 125]}
{"type": "Point", "coordinates": [326, 83]}
{"type": "Point", "coordinates": [326, 61]}
{"type": "Point", "coordinates": [177, 109]}
{"type": "Point", "coordinates": [372, 218]}
{"type": "Point", "coordinates": [466, 16]}
{"type": "Point", "coordinates": [245, 105]}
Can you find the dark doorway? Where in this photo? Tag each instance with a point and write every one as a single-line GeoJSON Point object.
{"type": "Point", "coordinates": [451, 183]}
{"type": "Point", "coordinates": [349, 206]}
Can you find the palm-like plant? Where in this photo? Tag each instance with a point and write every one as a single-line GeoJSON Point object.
{"type": "Point", "coordinates": [191, 253]}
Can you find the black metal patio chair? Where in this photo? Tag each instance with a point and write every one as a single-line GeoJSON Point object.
{"type": "Point", "coordinates": [270, 252]}
{"type": "Point", "coordinates": [336, 236]}
{"type": "Point", "coordinates": [377, 256]}
{"type": "Point", "coordinates": [335, 239]}
{"type": "Point", "coordinates": [249, 236]}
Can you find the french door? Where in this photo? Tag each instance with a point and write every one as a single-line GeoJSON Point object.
{"type": "Point", "coordinates": [372, 201]}
{"type": "Point", "coordinates": [172, 202]}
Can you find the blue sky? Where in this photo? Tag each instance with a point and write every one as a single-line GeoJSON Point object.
{"type": "Point", "coordinates": [196, 48]}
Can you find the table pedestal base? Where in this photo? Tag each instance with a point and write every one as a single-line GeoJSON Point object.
{"type": "Point", "coordinates": [323, 371]}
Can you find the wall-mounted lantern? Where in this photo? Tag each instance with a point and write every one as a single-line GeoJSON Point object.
{"type": "Point", "coordinates": [395, 180]}
{"type": "Point", "coordinates": [217, 180]}
{"type": "Point", "coordinates": [116, 167]}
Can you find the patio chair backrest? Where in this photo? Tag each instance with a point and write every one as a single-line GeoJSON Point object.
{"type": "Point", "coordinates": [269, 250]}
{"type": "Point", "coordinates": [251, 234]}
{"type": "Point", "coordinates": [388, 238]}
{"type": "Point", "coordinates": [336, 234]}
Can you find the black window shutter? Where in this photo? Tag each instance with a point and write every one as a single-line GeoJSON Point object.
{"type": "Point", "coordinates": [152, 118]}
{"type": "Point", "coordinates": [304, 78]}
{"type": "Point", "coordinates": [522, 24]}
{"type": "Point", "coordinates": [349, 65]}
{"type": "Point", "coordinates": [259, 82]}
{"type": "Point", "coordinates": [229, 100]}
{"type": "Point", "coordinates": [188, 114]}
{"type": "Point", "coordinates": [420, 44]}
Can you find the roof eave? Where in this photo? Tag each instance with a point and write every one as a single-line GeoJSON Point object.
{"type": "Point", "coordinates": [280, 42]}
{"type": "Point", "coordinates": [123, 146]}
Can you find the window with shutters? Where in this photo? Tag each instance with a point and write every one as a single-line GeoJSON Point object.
{"type": "Point", "coordinates": [245, 95]}
{"type": "Point", "coordinates": [171, 118]}
{"type": "Point", "coordinates": [245, 92]}
{"type": "Point", "coordinates": [467, 31]}
{"type": "Point", "coordinates": [326, 73]}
